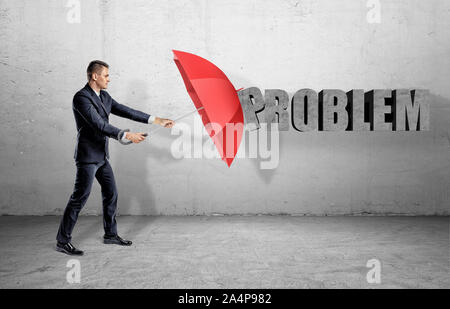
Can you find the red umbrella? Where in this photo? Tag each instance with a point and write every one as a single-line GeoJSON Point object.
{"type": "Point", "coordinates": [210, 88]}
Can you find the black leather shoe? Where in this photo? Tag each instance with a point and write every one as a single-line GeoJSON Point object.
{"type": "Point", "coordinates": [68, 249]}
{"type": "Point", "coordinates": [116, 240]}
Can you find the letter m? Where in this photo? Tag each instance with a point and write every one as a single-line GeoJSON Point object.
{"type": "Point", "coordinates": [411, 110]}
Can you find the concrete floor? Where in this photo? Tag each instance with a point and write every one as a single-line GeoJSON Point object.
{"type": "Point", "coordinates": [231, 252]}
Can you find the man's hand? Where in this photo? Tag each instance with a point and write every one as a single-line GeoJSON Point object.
{"type": "Point", "coordinates": [166, 123]}
{"type": "Point", "coordinates": [135, 137]}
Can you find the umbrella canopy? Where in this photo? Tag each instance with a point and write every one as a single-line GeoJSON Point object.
{"type": "Point", "coordinates": [210, 88]}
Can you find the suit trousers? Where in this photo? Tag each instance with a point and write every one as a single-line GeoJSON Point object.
{"type": "Point", "coordinates": [83, 183]}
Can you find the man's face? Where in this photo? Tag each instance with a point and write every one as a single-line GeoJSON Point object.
{"type": "Point", "coordinates": [102, 78]}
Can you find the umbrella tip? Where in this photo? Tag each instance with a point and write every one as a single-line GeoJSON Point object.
{"type": "Point", "coordinates": [229, 161]}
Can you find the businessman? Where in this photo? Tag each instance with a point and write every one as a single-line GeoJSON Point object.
{"type": "Point", "coordinates": [91, 107]}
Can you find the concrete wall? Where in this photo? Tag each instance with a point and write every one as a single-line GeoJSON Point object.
{"type": "Point", "coordinates": [264, 43]}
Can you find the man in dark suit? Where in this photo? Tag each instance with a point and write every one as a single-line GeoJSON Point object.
{"type": "Point", "coordinates": [91, 107]}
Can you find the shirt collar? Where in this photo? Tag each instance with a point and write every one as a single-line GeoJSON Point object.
{"type": "Point", "coordinates": [97, 93]}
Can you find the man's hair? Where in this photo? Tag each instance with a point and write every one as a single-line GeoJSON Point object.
{"type": "Point", "coordinates": [95, 67]}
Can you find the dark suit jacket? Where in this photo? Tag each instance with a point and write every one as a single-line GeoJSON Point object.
{"type": "Point", "coordinates": [92, 119]}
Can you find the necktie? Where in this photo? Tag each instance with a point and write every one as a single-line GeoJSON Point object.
{"type": "Point", "coordinates": [101, 100]}
{"type": "Point", "coordinates": [103, 105]}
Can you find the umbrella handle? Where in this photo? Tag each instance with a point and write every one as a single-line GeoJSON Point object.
{"type": "Point", "coordinates": [146, 134]}
{"type": "Point", "coordinates": [129, 142]}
